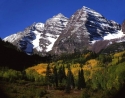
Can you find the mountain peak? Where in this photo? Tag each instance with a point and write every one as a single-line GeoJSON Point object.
{"type": "Point", "coordinates": [90, 11]}
{"type": "Point", "coordinates": [59, 15]}
{"type": "Point", "coordinates": [87, 8]}
{"type": "Point", "coordinates": [89, 25]}
{"type": "Point", "coordinates": [56, 18]}
{"type": "Point", "coordinates": [84, 7]}
{"type": "Point", "coordinates": [60, 34]}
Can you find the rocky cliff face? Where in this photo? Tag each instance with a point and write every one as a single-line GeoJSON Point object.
{"type": "Point", "coordinates": [39, 37]}
{"type": "Point", "coordinates": [84, 28]}
{"type": "Point", "coordinates": [123, 27]}
{"type": "Point", "coordinates": [28, 39]}
{"type": "Point", "coordinates": [52, 30]}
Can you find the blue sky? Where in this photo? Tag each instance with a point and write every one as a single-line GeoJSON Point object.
{"type": "Point", "coordinates": [16, 15]}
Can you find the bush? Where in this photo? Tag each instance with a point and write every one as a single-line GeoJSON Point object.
{"type": "Point", "coordinates": [10, 75]}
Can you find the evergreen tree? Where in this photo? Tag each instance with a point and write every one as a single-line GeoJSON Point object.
{"type": "Point", "coordinates": [63, 71]}
{"type": "Point", "coordinates": [83, 84]}
{"type": "Point", "coordinates": [61, 74]}
{"type": "Point", "coordinates": [81, 80]}
{"type": "Point", "coordinates": [48, 75]}
{"type": "Point", "coordinates": [70, 81]}
{"type": "Point", "coordinates": [55, 76]}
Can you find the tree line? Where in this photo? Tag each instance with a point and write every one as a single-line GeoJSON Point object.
{"type": "Point", "coordinates": [59, 79]}
{"type": "Point", "coordinates": [12, 57]}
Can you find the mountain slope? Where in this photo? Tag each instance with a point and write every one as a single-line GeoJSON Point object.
{"type": "Point", "coordinates": [52, 30]}
{"type": "Point", "coordinates": [13, 58]}
{"type": "Point", "coordinates": [123, 27]}
{"type": "Point", "coordinates": [39, 37]}
{"type": "Point", "coordinates": [84, 28]}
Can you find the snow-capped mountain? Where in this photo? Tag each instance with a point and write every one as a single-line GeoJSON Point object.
{"type": "Point", "coordinates": [52, 30]}
{"type": "Point", "coordinates": [28, 39]}
{"type": "Point", "coordinates": [84, 28]}
{"type": "Point", "coordinates": [39, 37]}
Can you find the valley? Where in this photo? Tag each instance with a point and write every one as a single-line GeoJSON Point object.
{"type": "Point", "coordinates": [78, 57]}
{"type": "Point", "coordinates": [103, 77]}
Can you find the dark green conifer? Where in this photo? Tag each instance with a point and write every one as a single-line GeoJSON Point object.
{"type": "Point", "coordinates": [55, 76]}
{"type": "Point", "coordinates": [83, 84]}
{"type": "Point", "coordinates": [70, 81]}
{"type": "Point", "coordinates": [81, 80]}
{"type": "Point", "coordinates": [48, 74]}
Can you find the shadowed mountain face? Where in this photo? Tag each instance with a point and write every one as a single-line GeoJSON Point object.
{"type": "Point", "coordinates": [84, 28]}
{"type": "Point", "coordinates": [62, 35]}
{"type": "Point", "coordinates": [13, 58]}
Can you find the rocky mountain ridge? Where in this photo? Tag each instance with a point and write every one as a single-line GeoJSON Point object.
{"type": "Point", "coordinates": [85, 27]}
{"type": "Point", "coordinates": [62, 35]}
{"type": "Point", "coordinates": [39, 37]}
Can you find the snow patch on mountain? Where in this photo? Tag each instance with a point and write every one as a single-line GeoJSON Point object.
{"type": "Point", "coordinates": [36, 41]}
{"type": "Point", "coordinates": [116, 35]}
{"type": "Point", "coordinates": [52, 41]}
{"type": "Point", "coordinates": [109, 36]}
{"type": "Point", "coordinates": [11, 38]}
